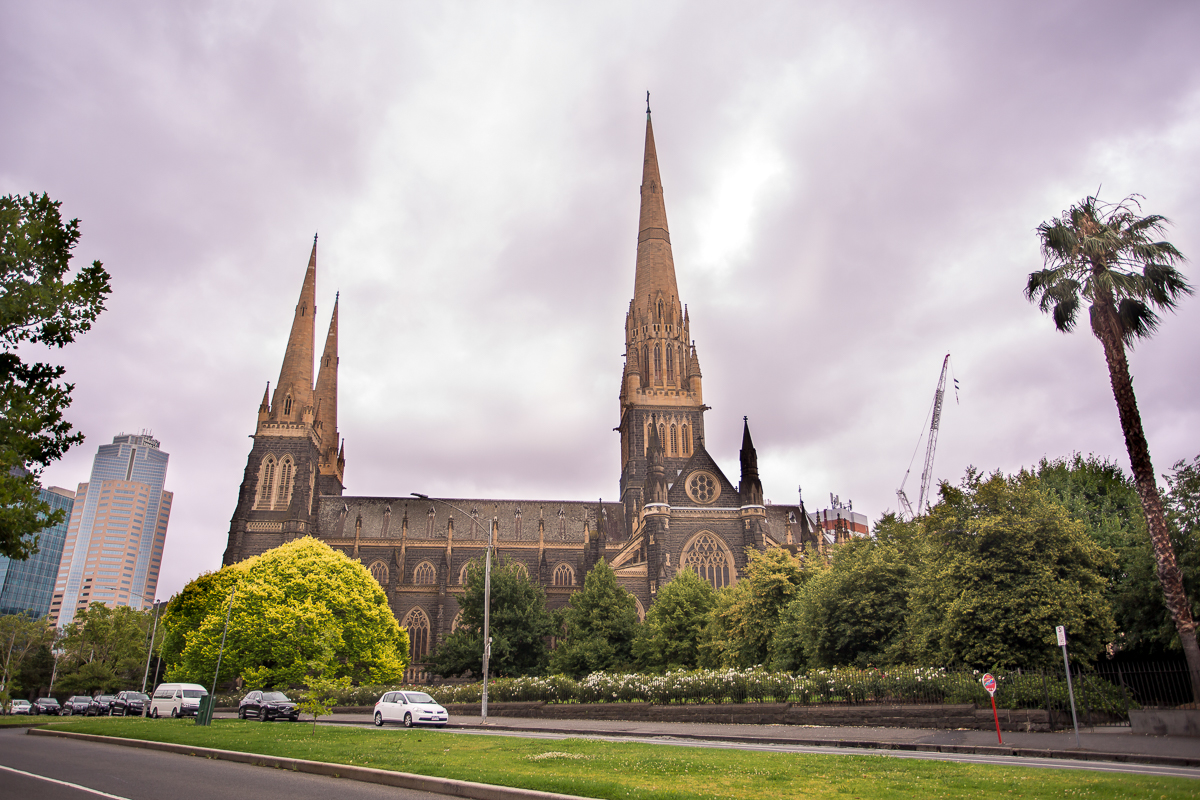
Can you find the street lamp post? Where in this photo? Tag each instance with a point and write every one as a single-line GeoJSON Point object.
{"type": "Point", "coordinates": [487, 597]}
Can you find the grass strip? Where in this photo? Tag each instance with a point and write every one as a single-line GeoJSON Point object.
{"type": "Point", "coordinates": [617, 771]}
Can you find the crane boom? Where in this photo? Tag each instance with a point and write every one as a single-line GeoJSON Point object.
{"type": "Point", "coordinates": [927, 473]}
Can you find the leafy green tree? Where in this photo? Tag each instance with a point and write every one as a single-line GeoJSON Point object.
{"type": "Point", "coordinates": [601, 622]}
{"type": "Point", "coordinates": [741, 631]}
{"type": "Point", "coordinates": [855, 610]}
{"type": "Point", "coordinates": [300, 611]}
{"type": "Point", "coordinates": [674, 628]}
{"type": "Point", "coordinates": [520, 626]}
{"type": "Point", "coordinates": [103, 648]}
{"type": "Point", "coordinates": [21, 636]}
{"type": "Point", "coordinates": [37, 306]}
{"type": "Point", "coordinates": [1004, 564]}
{"type": "Point", "coordinates": [1106, 254]}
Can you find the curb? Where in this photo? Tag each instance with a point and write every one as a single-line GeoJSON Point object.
{"type": "Point", "coordinates": [954, 749]}
{"type": "Point", "coordinates": [402, 780]}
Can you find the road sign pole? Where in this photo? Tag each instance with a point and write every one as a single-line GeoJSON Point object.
{"type": "Point", "coordinates": [1062, 642]}
{"type": "Point", "coordinates": [989, 683]}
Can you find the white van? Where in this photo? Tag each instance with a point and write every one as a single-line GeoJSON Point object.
{"type": "Point", "coordinates": [177, 700]}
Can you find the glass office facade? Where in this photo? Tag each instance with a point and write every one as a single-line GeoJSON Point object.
{"type": "Point", "coordinates": [26, 587]}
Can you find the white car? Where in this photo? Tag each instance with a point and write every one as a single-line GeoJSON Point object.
{"type": "Point", "coordinates": [20, 707]}
{"type": "Point", "coordinates": [410, 708]}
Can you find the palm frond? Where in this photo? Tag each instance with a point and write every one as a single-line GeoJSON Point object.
{"type": "Point", "coordinates": [1138, 320]}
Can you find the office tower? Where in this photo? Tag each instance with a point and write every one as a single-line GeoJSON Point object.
{"type": "Point", "coordinates": [117, 530]}
{"type": "Point", "coordinates": [26, 586]}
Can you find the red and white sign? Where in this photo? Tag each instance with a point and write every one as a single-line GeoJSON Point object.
{"type": "Point", "coordinates": [989, 683]}
{"type": "Point", "coordinates": [1062, 635]}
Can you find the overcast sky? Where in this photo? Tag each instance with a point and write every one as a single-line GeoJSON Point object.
{"type": "Point", "coordinates": [852, 189]}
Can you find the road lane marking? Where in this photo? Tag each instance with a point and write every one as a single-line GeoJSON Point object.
{"type": "Point", "coordinates": [63, 783]}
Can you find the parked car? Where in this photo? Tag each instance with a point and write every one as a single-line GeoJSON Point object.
{"type": "Point", "coordinates": [20, 707]}
{"type": "Point", "coordinates": [268, 706]}
{"type": "Point", "coordinates": [76, 704]}
{"type": "Point", "coordinates": [99, 705]}
{"type": "Point", "coordinates": [128, 704]}
{"type": "Point", "coordinates": [177, 700]}
{"type": "Point", "coordinates": [410, 708]}
{"type": "Point", "coordinates": [47, 705]}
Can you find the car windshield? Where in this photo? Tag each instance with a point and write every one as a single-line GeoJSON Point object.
{"type": "Point", "coordinates": [275, 697]}
{"type": "Point", "coordinates": [418, 697]}
{"type": "Point", "coordinates": [136, 696]}
{"type": "Point", "coordinates": [47, 701]}
{"type": "Point", "coordinates": [105, 698]}
{"type": "Point", "coordinates": [194, 693]}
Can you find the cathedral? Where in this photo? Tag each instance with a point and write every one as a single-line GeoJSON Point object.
{"type": "Point", "coordinates": [677, 508]}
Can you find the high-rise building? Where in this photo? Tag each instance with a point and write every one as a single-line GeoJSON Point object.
{"type": "Point", "coordinates": [26, 586]}
{"type": "Point", "coordinates": [117, 530]}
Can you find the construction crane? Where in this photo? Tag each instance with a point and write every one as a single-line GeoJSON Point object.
{"type": "Point", "coordinates": [906, 508]}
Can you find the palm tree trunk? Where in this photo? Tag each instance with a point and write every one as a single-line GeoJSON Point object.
{"type": "Point", "coordinates": [1106, 327]}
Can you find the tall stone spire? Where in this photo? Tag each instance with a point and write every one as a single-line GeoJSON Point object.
{"type": "Point", "coordinates": [294, 392]}
{"type": "Point", "coordinates": [327, 398]}
{"type": "Point", "coordinates": [655, 276]}
{"type": "Point", "coordinates": [750, 486]}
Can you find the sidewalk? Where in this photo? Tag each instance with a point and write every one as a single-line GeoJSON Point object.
{"type": "Point", "coordinates": [1097, 744]}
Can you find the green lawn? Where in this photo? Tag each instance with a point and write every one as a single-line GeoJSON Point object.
{"type": "Point", "coordinates": [618, 771]}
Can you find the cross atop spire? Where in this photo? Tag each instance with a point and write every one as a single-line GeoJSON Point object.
{"type": "Point", "coordinates": [647, 103]}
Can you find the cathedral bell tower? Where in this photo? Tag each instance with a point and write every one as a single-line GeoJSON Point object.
{"type": "Point", "coordinates": [295, 457]}
{"type": "Point", "coordinates": [660, 385]}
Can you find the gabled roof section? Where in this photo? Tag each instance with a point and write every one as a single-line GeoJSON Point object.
{"type": "Point", "coordinates": [701, 460]}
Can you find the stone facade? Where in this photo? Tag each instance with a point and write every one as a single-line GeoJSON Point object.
{"type": "Point", "coordinates": [677, 508]}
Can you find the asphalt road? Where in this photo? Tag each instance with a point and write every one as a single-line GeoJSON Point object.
{"type": "Point", "coordinates": [48, 768]}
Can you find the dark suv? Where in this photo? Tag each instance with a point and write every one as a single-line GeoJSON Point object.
{"type": "Point", "coordinates": [268, 706]}
{"type": "Point", "coordinates": [76, 704]}
{"type": "Point", "coordinates": [47, 705]}
{"type": "Point", "coordinates": [128, 704]}
{"type": "Point", "coordinates": [99, 706]}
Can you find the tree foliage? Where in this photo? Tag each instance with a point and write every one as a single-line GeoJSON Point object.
{"type": "Point", "coordinates": [601, 621]}
{"type": "Point", "coordinates": [854, 610]}
{"type": "Point", "coordinates": [671, 636]}
{"type": "Point", "coordinates": [741, 632]}
{"type": "Point", "coordinates": [299, 612]}
{"type": "Point", "coordinates": [520, 626]}
{"type": "Point", "coordinates": [104, 649]}
{"type": "Point", "coordinates": [1004, 565]}
{"type": "Point", "coordinates": [21, 637]}
{"type": "Point", "coordinates": [38, 305]}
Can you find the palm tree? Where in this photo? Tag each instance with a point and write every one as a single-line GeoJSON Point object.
{"type": "Point", "coordinates": [1105, 254]}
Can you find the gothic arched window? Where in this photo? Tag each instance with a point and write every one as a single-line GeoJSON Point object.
{"type": "Point", "coordinates": [417, 625]}
{"type": "Point", "coordinates": [687, 442]}
{"type": "Point", "coordinates": [266, 483]}
{"type": "Point", "coordinates": [674, 441]}
{"type": "Point", "coordinates": [424, 574]}
{"type": "Point", "coordinates": [287, 405]}
{"type": "Point", "coordinates": [711, 560]}
{"type": "Point", "coordinates": [283, 496]}
{"type": "Point", "coordinates": [670, 364]}
{"type": "Point", "coordinates": [564, 575]}
{"type": "Point", "coordinates": [645, 364]}
{"type": "Point", "coordinates": [379, 572]}
{"type": "Point", "coordinates": [462, 574]}
{"type": "Point", "coordinates": [657, 361]}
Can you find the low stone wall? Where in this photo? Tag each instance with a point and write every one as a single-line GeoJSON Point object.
{"type": "Point", "coordinates": [1156, 721]}
{"type": "Point", "coordinates": [943, 717]}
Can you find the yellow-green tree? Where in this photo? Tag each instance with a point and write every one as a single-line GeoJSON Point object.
{"type": "Point", "coordinates": [298, 612]}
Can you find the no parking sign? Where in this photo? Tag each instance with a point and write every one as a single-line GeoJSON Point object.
{"type": "Point", "coordinates": [989, 683]}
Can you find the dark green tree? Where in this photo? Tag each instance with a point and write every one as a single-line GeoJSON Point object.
{"type": "Point", "coordinates": [38, 305]}
{"type": "Point", "coordinates": [1108, 255]}
{"type": "Point", "coordinates": [855, 611]}
{"type": "Point", "coordinates": [674, 628]}
{"type": "Point", "coordinates": [1004, 564]}
{"type": "Point", "coordinates": [520, 626]}
{"type": "Point", "coordinates": [741, 630]}
{"type": "Point", "coordinates": [103, 649]}
{"type": "Point", "coordinates": [601, 621]}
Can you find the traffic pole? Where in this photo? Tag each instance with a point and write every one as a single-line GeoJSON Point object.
{"type": "Point", "coordinates": [1061, 632]}
{"type": "Point", "coordinates": [989, 683]}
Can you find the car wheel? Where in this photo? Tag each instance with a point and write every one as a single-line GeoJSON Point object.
{"type": "Point", "coordinates": [378, 720]}
{"type": "Point", "coordinates": [241, 713]}
{"type": "Point", "coordinates": [174, 713]}
{"type": "Point", "coordinates": [154, 713]}
{"type": "Point", "coordinates": [408, 723]}
{"type": "Point", "coordinates": [262, 715]}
